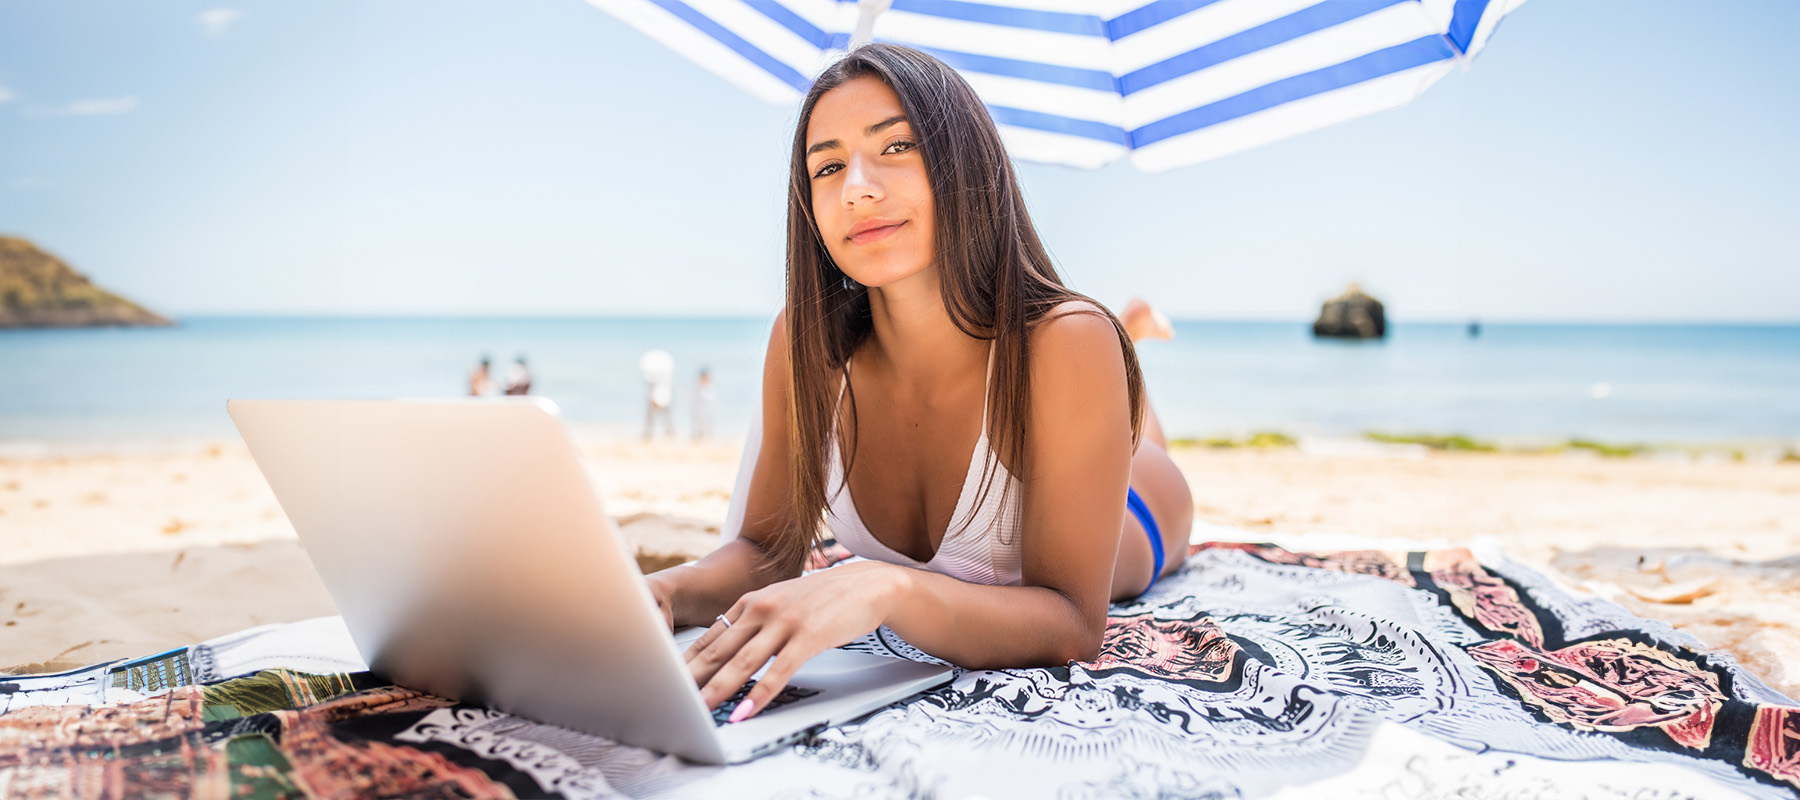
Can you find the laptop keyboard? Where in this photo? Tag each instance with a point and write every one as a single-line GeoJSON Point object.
{"type": "Point", "coordinates": [788, 694]}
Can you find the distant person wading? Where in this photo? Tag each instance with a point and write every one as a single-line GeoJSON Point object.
{"type": "Point", "coordinates": [518, 378]}
{"type": "Point", "coordinates": [706, 405]}
{"type": "Point", "coordinates": [481, 381]}
{"type": "Point", "coordinates": [659, 389]}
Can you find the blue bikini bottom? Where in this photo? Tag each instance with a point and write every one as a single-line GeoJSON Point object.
{"type": "Point", "coordinates": [1136, 504]}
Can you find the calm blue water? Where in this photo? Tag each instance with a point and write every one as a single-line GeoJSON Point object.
{"type": "Point", "coordinates": [1669, 383]}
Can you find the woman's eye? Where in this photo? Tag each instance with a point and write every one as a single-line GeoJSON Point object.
{"type": "Point", "coordinates": [895, 148]}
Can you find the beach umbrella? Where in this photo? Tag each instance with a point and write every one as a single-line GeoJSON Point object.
{"type": "Point", "coordinates": [1085, 82]}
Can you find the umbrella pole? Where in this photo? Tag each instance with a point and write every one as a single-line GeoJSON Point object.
{"type": "Point", "coordinates": [866, 12]}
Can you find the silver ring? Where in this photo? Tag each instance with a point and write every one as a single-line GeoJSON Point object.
{"type": "Point", "coordinates": [727, 622]}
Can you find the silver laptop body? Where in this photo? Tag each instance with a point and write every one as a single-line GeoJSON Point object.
{"type": "Point", "coordinates": [470, 557]}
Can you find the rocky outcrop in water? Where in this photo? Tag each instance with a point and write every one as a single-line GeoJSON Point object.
{"type": "Point", "coordinates": [37, 290]}
{"type": "Point", "coordinates": [1351, 315]}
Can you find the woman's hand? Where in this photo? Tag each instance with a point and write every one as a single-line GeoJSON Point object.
{"type": "Point", "coordinates": [665, 596]}
{"type": "Point", "coordinates": [790, 622]}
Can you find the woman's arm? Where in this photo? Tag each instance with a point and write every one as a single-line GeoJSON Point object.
{"type": "Point", "coordinates": [696, 593]}
{"type": "Point", "coordinates": [1074, 510]}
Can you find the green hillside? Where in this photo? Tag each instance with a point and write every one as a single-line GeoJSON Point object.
{"type": "Point", "coordinates": [37, 290]}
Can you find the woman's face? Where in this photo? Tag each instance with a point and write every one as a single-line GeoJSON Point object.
{"type": "Point", "coordinates": [870, 195]}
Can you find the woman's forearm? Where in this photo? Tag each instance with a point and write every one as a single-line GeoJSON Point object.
{"type": "Point", "coordinates": [702, 590]}
{"type": "Point", "coordinates": [986, 627]}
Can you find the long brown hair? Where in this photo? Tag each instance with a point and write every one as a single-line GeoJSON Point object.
{"type": "Point", "coordinates": [996, 277]}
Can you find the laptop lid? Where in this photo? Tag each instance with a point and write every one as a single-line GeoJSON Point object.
{"type": "Point", "coordinates": [470, 557]}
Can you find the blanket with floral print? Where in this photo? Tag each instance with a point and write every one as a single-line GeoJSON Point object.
{"type": "Point", "coordinates": [1255, 671]}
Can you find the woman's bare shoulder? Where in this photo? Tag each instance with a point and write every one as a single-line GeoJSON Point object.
{"type": "Point", "coordinates": [1077, 363]}
{"type": "Point", "coordinates": [1074, 329]}
{"type": "Point", "coordinates": [1080, 401]}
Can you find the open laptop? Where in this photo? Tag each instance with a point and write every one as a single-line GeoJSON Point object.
{"type": "Point", "coordinates": [470, 557]}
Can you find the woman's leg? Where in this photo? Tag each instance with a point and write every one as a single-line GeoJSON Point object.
{"type": "Point", "coordinates": [1143, 322]}
{"type": "Point", "coordinates": [1157, 481]}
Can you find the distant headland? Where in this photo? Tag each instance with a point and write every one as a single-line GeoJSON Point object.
{"type": "Point", "coordinates": [37, 290]}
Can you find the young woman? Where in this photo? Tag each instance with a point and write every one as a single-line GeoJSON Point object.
{"type": "Point", "coordinates": [951, 411]}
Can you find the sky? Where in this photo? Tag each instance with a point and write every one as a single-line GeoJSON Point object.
{"type": "Point", "coordinates": [1602, 160]}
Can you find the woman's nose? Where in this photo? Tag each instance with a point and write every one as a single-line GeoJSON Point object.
{"type": "Point", "coordinates": [861, 183]}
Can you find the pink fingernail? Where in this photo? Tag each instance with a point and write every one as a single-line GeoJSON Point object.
{"type": "Point", "coordinates": [742, 712]}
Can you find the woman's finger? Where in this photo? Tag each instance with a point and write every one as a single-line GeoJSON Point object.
{"type": "Point", "coordinates": [712, 634]}
{"type": "Point", "coordinates": [781, 670]}
{"type": "Point", "coordinates": [742, 664]}
{"type": "Point", "coordinates": [706, 661]}
{"type": "Point", "coordinates": [715, 630]}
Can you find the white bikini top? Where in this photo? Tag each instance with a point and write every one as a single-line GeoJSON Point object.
{"type": "Point", "coordinates": [985, 550]}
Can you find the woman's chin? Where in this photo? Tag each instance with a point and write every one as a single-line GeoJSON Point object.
{"type": "Point", "coordinates": [882, 276]}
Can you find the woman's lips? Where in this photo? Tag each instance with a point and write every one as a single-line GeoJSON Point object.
{"type": "Point", "coordinates": [873, 235]}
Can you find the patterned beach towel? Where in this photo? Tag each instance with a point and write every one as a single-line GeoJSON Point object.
{"type": "Point", "coordinates": [1256, 671]}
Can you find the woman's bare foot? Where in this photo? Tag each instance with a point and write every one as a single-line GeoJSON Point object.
{"type": "Point", "coordinates": [1143, 322]}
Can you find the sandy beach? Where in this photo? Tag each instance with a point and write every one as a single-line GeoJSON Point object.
{"type": "Point", "coordinates": [118, 555]}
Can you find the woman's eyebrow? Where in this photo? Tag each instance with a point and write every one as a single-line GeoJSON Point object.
{"type": "Point", "coordinates": [869, 131]}
{"type": "Point", "coordinates": [882, 125]}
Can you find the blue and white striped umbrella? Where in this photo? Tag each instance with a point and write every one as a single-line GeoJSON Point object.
{"type": "Point", "coordinates": [1083, 82]}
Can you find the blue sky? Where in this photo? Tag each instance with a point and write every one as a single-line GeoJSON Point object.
{"type": "Point", "coordinates": [1603, 160]}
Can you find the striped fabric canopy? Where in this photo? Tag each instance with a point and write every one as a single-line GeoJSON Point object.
{"type": "Point", "coordinates": [1083, 82]}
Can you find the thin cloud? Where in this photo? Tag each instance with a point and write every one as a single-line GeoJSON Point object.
{"type": "Point", "coordinates": [87, 108]}
{"type": "Point", "coordinates": [215, 21]}
{"type": "Point", "coordinates": [6, 94]}
{"type": "Point", "coordinates": [30, 182]}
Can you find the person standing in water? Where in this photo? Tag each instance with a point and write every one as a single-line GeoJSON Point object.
{"type": "Point", "coordinates": [706, 404]}
{"type": "Point", "coordinates": [659, 388]}
{"type": "Point", "coordinates": [518, 379]}
{"type": "Point", "coordinates": [480, 381]}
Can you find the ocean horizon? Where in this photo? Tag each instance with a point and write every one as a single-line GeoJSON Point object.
{"type": "Point", "coordinates": [1643, 383]}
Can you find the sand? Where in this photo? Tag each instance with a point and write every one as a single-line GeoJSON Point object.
{"type": "Point", "coordinates": [105, 556]}
{"type": "Point", "coordinates": [1713, 548]}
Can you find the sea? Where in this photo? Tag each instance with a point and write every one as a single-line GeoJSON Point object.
{"type": "Point", "coordinates": [1661, 385]}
